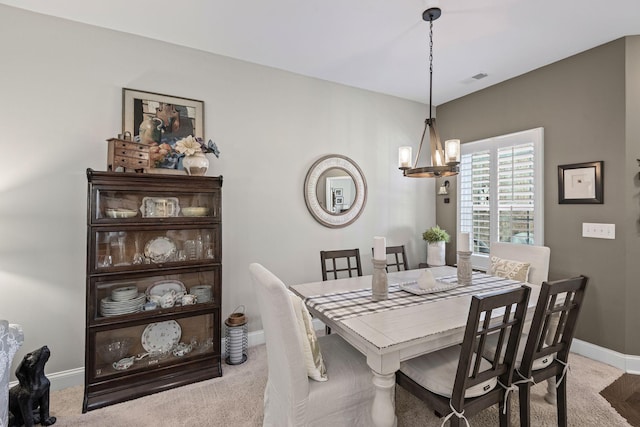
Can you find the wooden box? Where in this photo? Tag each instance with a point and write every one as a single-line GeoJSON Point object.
{"type": "Point", "coordinates": [128, 155]}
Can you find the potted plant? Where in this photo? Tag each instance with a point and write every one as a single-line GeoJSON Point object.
{"type": "Point", "coordinates": [436, 238]}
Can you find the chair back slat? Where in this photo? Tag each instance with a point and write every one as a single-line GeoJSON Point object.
{"type": "Point", "coordinates": [350, 257]}
{"type": "Point", "coordinates": [398, 260]}
{"type": "Point", "coordinates": [479, 324]}
{"type": "Point", "coordinates": [559, 301]}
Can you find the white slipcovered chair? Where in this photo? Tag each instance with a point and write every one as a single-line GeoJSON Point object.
{"type": "Point", "coordinates": [291, 399]}
{"type": "Point", "coordinates": [11, 338]}
{"type": "Point", "coordinates": [537, 256]}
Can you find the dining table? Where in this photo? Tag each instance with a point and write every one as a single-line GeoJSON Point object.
{"type": "Point", "coordinates": [410, 322]}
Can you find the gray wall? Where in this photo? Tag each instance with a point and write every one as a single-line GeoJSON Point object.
{"type": "Point", "coordinates": [631, 192]}
{"type": "Point", "coordinates": [589, 111]}
{"type": "Point", "coordinates": [61, 92]}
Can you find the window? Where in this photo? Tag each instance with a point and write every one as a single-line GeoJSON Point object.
{"type": "Point", "coordinates": [500, 188]}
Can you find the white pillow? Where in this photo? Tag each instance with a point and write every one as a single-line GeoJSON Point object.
{"type": "Point", "coordinates": [310, 346]}
{"type": "Point", "coordinates": [509, 269]}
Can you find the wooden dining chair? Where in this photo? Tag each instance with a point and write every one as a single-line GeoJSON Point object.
{"type": "Point", "coordinates": [546, 352]}
{"type": "Point", "coordinates": [399, 258]}
{"type": "Point", "coordinates": [341, 261]}
{"type": "Point", "coordinates": [457, 380]}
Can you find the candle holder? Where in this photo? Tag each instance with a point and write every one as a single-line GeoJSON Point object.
{"type": "Point", "coordinates": [379, 282]}
{"type": "Point", "coordinates": [465, 269]}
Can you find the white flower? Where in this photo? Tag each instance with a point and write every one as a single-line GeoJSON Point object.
{"type": "Point", "coordinates": [188, 146]}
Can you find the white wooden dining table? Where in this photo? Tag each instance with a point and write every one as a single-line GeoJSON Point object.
{"type": "Point", "coordinates": [400, 328]}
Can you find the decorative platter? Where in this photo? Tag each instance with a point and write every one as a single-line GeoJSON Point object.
{"type": "Point", "coordinates": [412, 287]}
{"type": "Point", "coordinates": [160, 207]}
{"type": "Point", "coordinates": [160, 249]}
{"type": "Point", "coordinates": [161, 336]}
{"type": "Point", "coordinates": [162, 287]}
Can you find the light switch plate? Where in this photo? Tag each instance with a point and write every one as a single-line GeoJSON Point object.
{"type": "Point", "coordinates": [598, 231]}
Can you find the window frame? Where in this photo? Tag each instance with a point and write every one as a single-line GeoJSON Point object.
{"type": "Point", "coordinates": [536, 136]}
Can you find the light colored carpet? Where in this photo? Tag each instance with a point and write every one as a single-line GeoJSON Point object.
{"type": "Point", "coordinates": [235, 399]}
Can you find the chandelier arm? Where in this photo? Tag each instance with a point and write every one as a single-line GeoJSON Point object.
{"type": "Point", "coordinates": [424, 132]}
{"type": "Point", "coordinates": [433, 139]}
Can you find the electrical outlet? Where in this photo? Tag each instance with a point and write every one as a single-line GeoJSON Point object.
{"type": "Point", "coordinates": [598, 231]}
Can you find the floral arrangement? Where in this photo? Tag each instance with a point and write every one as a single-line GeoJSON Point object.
{"type": "Point", "coordinates": [190, 146]}
{"type": "Point", "coordinates": [166, 156]}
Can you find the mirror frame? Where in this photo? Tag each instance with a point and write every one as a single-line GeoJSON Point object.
{"type": "Point", "coordinates": [311, 183]}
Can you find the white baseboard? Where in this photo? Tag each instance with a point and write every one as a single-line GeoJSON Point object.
{"type": "Point", "coordinates": [627, 363]}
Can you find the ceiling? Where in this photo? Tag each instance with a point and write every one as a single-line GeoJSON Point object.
{"type": "Point", "coordinates": [378, 45]}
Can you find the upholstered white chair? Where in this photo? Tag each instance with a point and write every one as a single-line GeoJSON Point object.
{"type": "Point", "coordinates": [291, 399]}
{"type": "Point", "coordinates": [537, 256]}
{"type": "Point", "coordinates": [11, 338]}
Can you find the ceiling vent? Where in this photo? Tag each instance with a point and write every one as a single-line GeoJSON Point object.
{"type": "Point", "coordinates": [480, 76]}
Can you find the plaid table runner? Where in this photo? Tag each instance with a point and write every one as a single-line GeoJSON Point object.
{"type": "Point", "coordinates": [347, 304]}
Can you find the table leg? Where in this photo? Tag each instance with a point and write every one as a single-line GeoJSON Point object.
{"type": "Point", "coordinates": [383, 410]}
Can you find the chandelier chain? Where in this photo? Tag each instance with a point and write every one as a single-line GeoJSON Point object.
{"type": "Point", "coordinates": [430, 67]}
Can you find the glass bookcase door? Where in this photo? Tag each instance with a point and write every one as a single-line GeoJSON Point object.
{"type": "Point", "coordinates": [153, 345]}
{"type": "Point", "coordinates": [130, 205]}
{"type": "Point", "coordinates": [125, 248]}
{"type": "Point", "coordinates": [144, 295]}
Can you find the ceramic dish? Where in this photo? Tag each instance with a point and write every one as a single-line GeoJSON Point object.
{"type": "Point", "coordinates": [109, 307]}
{"type": "Point", "coordinates": [413, 287]}
{"type": "Point", "coordinates": [161, 336]}
{"type": "Point", "coordinates": [195, 211]}
{"type": "Point", "coordinates": [121, 213]}
{"type": "Point", "coordinates": [160, 249]}
{"type": "Point", "coordinates": [160, 207]}
{"type": "Point", "coordinates": [125, 293]}
{"type": "Point", "coordinates": [162, 287]}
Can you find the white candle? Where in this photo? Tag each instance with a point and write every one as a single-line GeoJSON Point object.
{"type": "Point", "coordinates": [463, 242]}
{"type": "Point", "coordinates": [379, 248]}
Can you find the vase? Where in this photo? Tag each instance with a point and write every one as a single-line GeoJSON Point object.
{"type": "Point", "coordinates": [196, 164]}
{"type": "Point", "coordinates": [436, 254]}
{"type": "Point", "coordinates": [150, 130]}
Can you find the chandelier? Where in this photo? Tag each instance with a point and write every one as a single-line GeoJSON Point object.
{"type": "Point", "coordinates": [443, 162]}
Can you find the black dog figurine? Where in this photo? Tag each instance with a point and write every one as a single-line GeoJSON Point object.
{"type": "Point", "coordinates": [29, 400]}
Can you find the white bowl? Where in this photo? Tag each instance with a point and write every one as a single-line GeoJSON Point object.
{"type": "Point", "coordinates": [195, 211]}
{"type": "Point", "coordinates": [121, 213]}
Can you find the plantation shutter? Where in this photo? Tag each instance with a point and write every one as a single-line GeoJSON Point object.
{"type": "Point", "coordinates": [500, 192]}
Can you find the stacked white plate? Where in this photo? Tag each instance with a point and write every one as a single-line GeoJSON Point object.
{"type": "Point", "coordinates": [124, 294]}
{"type": "Point", "coordinates": [203, 292]}
{"type": "Point", "coordinates": [122, 301]}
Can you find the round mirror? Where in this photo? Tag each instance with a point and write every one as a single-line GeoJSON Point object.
{"type": "Point", "coordinates": [335, 191]}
